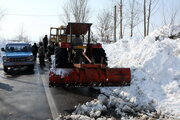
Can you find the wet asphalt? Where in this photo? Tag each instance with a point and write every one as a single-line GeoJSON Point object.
{"type": "Point", "coordinates": [24, 96]}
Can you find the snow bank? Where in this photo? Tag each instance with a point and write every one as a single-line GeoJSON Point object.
{"type": "Point", "coordinates": [155, 69]}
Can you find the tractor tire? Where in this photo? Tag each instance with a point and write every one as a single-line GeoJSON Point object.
{"type": "Point", "coordinates": [5, 69]}
{"type": "Point", "coordinates": [61, 57]}
{"type": "Point", "coordinates": [31, 68]}
{"type": "Point", "coordinates": [99, 56]}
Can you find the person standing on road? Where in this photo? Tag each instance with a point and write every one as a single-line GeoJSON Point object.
{"type": "Point", "coordinates": [45, 43]}
{"type": "Point", "coordinates": [50, 51]}
{"type": "Point", "coordinates": [35, 51]}
{"type": "Point", "coordinates": [41, 54]}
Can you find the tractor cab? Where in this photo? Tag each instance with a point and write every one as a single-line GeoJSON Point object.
{"type": "Point", "coordinates": [57, 34]}
{"type": "Point", "coordinates": [75, 30]}
{"type": "Point", "coordinates": [79, 47]}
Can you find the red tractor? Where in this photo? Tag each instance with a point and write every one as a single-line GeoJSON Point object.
{"type": "Point", "coordinates": [79, 62]}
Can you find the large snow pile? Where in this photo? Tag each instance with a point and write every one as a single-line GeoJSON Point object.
{"type": "Point", "coordinates": [155, 87]}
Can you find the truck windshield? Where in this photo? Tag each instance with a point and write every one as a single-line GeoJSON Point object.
{"type": "Point", "coordinates": [18, 48]}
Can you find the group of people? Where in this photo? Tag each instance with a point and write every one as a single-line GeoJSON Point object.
{"type": "Point", "coordinates": [43, 50]}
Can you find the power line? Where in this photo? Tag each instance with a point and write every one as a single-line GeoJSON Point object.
{"type": "Point", "coordinates": [32, 15]}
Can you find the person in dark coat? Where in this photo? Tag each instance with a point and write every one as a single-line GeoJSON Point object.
{"type": "Point", "coordinates": [35, 51]}
{"type": "Point", "coordinates": [50, 50]}
{"type": "Point", "coordinates": [45, 43]}
{"type": "Point", "coordinates": [41, 54]}
{"type": "Point", "coordinates": [77, 41]}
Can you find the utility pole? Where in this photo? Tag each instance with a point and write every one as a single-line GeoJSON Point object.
{"type": "Point", "coordinates": [115, 23]}
{"type": "Point", "coordinates": [145, 18]}
{"type": "Point", "coordinates": [132, 18]}
{"type": "Point", "coordinates": [121, 21]}
{"type": "Point", "coordinates": [148, 17]}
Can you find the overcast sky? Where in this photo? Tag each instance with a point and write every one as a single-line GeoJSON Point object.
{"type": "Point", "coordinates": [35, 17]}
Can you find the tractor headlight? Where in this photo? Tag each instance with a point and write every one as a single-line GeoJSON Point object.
{"type": "Point", "coordinates": [30, 58]}
{"type": "Point", "coordinates": [6, 59]}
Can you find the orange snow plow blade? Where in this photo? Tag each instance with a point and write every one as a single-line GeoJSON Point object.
{"type": "Point", "coordinates": [91, 76]}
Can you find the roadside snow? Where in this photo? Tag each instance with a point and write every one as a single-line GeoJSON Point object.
{"type": "Point", "coordinates": [81, 117]}
{"type": "Point", "coordinates": [2, 44]}
{"type": "Point", "coordinates": [155, 69]}
{"type": "Point", "coordinates": [155, 87]}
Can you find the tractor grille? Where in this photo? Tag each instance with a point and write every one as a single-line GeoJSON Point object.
{"type": "Point", "coordinates": [22, 59]}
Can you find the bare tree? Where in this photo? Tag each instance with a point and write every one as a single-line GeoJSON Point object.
{"type": "Point", "coordinates": [78, 11]}
{"type": "Point", "coordinates": [149, 7]}
{"type": "Point", "coordinates": [174, 16]}
{"type": "Point", "coordinates": [105, 25]}
{"type": "Point", "coordinates": [122, 18]}
{"type": "Point", "coordinates": [171, 14]}
{"type": "Point", "coordinates": [149, 15]}
{"type": "Point", "coordinates": [67, 14]}
{"type": "Point", "coordinates": [22, 36]}
{"type": "Point", "coordinates": [164, 16]}
{"type": "Point", "coordinates": [133, 15]}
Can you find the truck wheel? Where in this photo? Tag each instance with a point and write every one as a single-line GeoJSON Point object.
{"type": "Point", "coordinates": [31, 68]}
{"type": "Point", "coordinates": [5, 69]}
{"type": "Point", "coordinates": [99, 56]}
{"type": "Point", "coordinates": [61, 57]}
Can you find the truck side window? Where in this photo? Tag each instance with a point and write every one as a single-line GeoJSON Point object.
{"type": "Point", "coordinates": [25, 49]}
{"type": "Point", "coordinates": [12, 48]}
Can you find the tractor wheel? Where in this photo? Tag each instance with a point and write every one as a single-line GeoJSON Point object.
{"type": "Point", "coordinates": [5, 69]}
{"type": "Point", "coordinates": [99, 56]}
{"type": "Point", "coordinates": [31, 68]}
{"type": "Point", "coordinates": [61, 57]}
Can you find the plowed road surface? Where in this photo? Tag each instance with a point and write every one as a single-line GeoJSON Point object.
{"type": "Point", "coordinates": [26, 96]}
